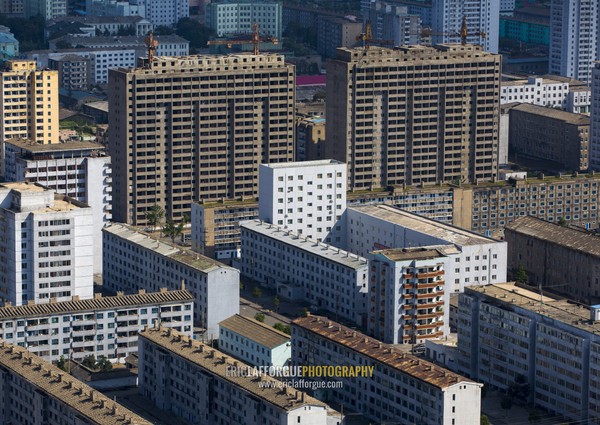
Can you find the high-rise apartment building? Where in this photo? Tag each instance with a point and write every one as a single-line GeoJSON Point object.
{"type": "Point", "coordinates": [166, 12]}
{"type": "Point", "coordinates": [46, 245]}
{"type": "Point", "coordinates": [49, 9]}
{"type": "Point", "coordinates": [192, 128]}
{"type": "Point", "coordinates": [574, 31]}
{"type": "Point", "coordinates": [392, 22]}
{"type": "Point", "coordinates": [414, 115]}
{"type": "Point", "coordinates": [595, 119]}
{"type": "Point", "coordinates": [29, 103]}
{"type": "Point", "coordinates": [232, 17]}
{"type": "Point", "coordinates": [482, 16]}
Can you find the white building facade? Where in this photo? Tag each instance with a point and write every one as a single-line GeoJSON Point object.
{"type": "Point", "coordinates": [304, 269]}
{"type": "Point", "coordinates": [80, 170]}
{"type": "Point", "coordinates": [103, 326]}
{"type": "Point", "coordinates": [544, 91]}
{"type": "Point", "coordinates": [167, 12]}
{"type": "Point", "coordinates": [133, 260]}
{"type": "Point", "coordinates": [401, 389]}
{"type": "Point", "coordinates": [481, 15]}
{"type": "Point", "coordinates": [254, 342]}
{"type": "Point", "coordinates": [480, 261]}
{"type": "Point", "coordinates": [230, 17]}
{"type": "Point", "coordinates": [195, 382]}
{"type": "Point", "coordinates": [308, 198]}
{"type": "Point", "coordinates": [574, 31]}
{"type": "Point", "coordinates": [392, 22]}
{"type": "Point", "coordinates": [508, 334]}
{"type": "Point", "coordinates": [47, 251]}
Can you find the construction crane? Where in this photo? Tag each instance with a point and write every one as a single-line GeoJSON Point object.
{"type": "Point", "coordinates": [463, 33]}
{"type": "Point", "coordinates": [255, 40]}
{"type": "Point", "coordinates": [367, 37]}
{"type": "Point", "coordinates": [151, 44]}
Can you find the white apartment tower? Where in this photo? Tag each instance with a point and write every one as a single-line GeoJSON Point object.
{"type": "Point", "coordinates": [574, 31]}
{"type": "Point", "coordinates": [483, 16]}
{"type": "Point", "coordinates": [595, 119]}
{"type": "Point", "coordinates": [308, 198]}
{"type": "Point", "coordinates": [166, 12]}
{"type": "Point", "coordinates": [46, 245]}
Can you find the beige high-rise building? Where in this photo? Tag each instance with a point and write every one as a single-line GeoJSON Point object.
{"type": "Point", "coordinates": [197, 128]}
{"type": "Point", "coordinates": [29, 103]}
{"type": "Point", "coordinates": [414, 114]}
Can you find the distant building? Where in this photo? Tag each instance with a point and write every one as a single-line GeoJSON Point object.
{"type": "Point", "coordinates": [206, 385]}
{"type": "Point", "coordinates": [118, 8]}
{"type": "Point", "coordinates": [48, 9]}
{"type": "Point", "coordinates": [334, 32]}
{"type": "Point", "coordinates": [483, 16]}
{"type": "Point", "coordinates": [559, 138]}
{"type": "Point", "coordinates": [99, 25]}
{"type": "Point", "coordinates": [402, 388]}
{"type": "Point", "coordinates": [103, 326]}
{"type": "Point", "coordinates": [167, 12]}
{"type": "Point", "coordinates": [9, 45]}
{"type": "Point", "coordinates": [13, 8]}
{"type": "Point", "coordinates": [47, 250]}
{"type": "Point", "coordinates": [392, 22]}
{"type": "Point", "coordinates": [308, 198]}
{"type": "Point", "coordinates": [74, 71]}
{"type": "Point", "coordinates": [548, 349]}
{"type": "Point", "coordinates": [595, 119]}
{"type": "Point", "coordinates": [543, 249]}
{"type": "Point", "coordinates": [310, 137]}
{"type": "Point", "coordinates": [525, 28]}
{"type": "Point", "coordinates": [135, 261]}
{"type": "Point", "coordinates": [300, 268]}
{"type": "Point", "coordinates": [574, 32]}
{"type": "Point", "coordinates": [80, 170]}
{"type": "Point", "coordinates": [552, 91]}
{"type": "Point", "coordinates": [253, 342]}
{"type": "Point", "coordinates": [234, 17]}
{"type": "Point", "coordinates": [36, 392]}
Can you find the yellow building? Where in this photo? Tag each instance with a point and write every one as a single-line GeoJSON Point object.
{"type": "Point", "coordinates": [29, 103]}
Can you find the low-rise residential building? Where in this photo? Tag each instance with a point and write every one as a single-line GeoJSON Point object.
{"type": "Point", "coordinates": [102, 326]}
{"type": "Point", "coordinates": [552, 91]}
{"type": "Point", "coordinates": [80, 170]}
{"type": "Point", "coordinates": [300, 268]}
{"type": "Point", "coordinates": [134, 260]}
{"type": "Point", "coordinates": [560, 139]}
{"type": "Point", "coordinates": [46, 252]}
{"type": "Point", "coordinates": [254, 342]}
{"type": "Point", "coordinates": [36, 392]}
{"type": "Point", "coordinates": [402, 388]}
{"type": "Point", "coordinates": [199, 384]}
{"type": "Point", "coordinates": [308, 198]}
{"type": "Point", "coordinates": [508, 336]}
{"type": "Point", "coordinates": [481, 260]}
{"type": "Point", "coordinates": [310, 137]}
{"type": "Point", "coordinates": [543, 249]}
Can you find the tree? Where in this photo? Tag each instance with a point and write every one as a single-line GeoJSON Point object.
{"type": "Point", "coordinates": [562, 221]}
{"type": "Point", "coordinates": [154, 215]}
{"type": "Point", "coordinates": [193, 31]}
{"type": "Point", "coordinates": [277, 303]}
{"type": "Point", "coordinates": [89, 361]}
{"type": "Point", "coordinates": [256, 292]}
{"type": "Point", "coordinates": [521, 276]}
{"type": "Point", "coordinates": [172, 230]}
{"type": "Point", "coordinates": [519, 390]}
{"type": "Point", "coordinates": [283, 328]}
{"type": "Point", "coordinates": [163, 30]}
{"type": "Point", "coordinates": [259, 317]}
{"type": "Point", "coordinates": [534, 417]}
{"type": "Point", "coordinates": [484, 420]}
{"type": "Point", "coordinates": [304, 312]}
{"type": "Point", "coordinates": [319, 96]}
{"type": "Point", "coordinates": [506, 403]}
{"type": "Point", "coordinates": [103, 364]}
{"type": "Point", "coordinates": [61, 363]}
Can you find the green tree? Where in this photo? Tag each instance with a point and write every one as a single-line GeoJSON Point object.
{"type": "Point", "coordinates": [304, 312]}
{"type": "Point", "coordinates": [163, 30]}
{"type": "Point", "coordinates": [283, 328]}
{"type": "Point", "coordinates": [484, 420]}
{"type": "Point", "coordinates": [193, 31]}
{"type": "Point", "coordinates": [259, 317]}
{"type": "Point", "coordinates": [562, 221]}
{"type": "Point", "coordinates": [61, 363]}
{"type": "Point", "coordinates": [521, 276]}
{"type": "Point", "coordinates": [256, 292]}
{"type": "Point", "coordinates": [103, 364]}
{"type": "Point", "coordinates": [89, 361]}
{"type": "Point", "coordinates": [319, 96]}
{"type": "Point", "coordinates": [519, 390]}
{"type": "Point", "coordinates": [154, 215]}
{"type": "Point", "coordinates": [506, 403]}
{"type": "Point", "coordinates": [276, 302]}
{"type": "Point", "coordinates": [172, 229]}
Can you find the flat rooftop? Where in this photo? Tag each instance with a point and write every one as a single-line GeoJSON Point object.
{"type": "Point", "coordinates": [446, 232]}
{"type": "Point", "coordinates": [25, 187]}
{"type": "Point", "coordinates": [258, 332]}
{"type": "Point", "coordinates": [315, 163]}
{"type": "Point", "coordinates": [417, 253]}
{"type": "Point", "coordinates": [564, 236]}
{"type": "Point", "coordinates": [567, 117]}
{"type": "Point", "coordinates": [216, 363]}
{"type": "Point", "coordinates": [558, 309]}
{"type": "Point", "coordinates": [179, 254]}
{"type": "Point", "coordinates": [383, 353]}
{"type": "Point", "coordinates": [57, 384]}
{"type": "Point", "coordinates": [308, 245]}
{"type": "Point", "coordinates": [33, 147]}
{"type": "Point", "coordinates": [95, 304]}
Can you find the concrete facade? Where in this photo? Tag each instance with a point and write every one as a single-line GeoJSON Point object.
{"type": "Point", "coordinates": [595, 119]}
{"type": "Point", "coordinates": [47, 252]}
{"type": "Point", "coordinates": [133, 260]}
{"type": "Point", "coordinates": [234, 17]}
